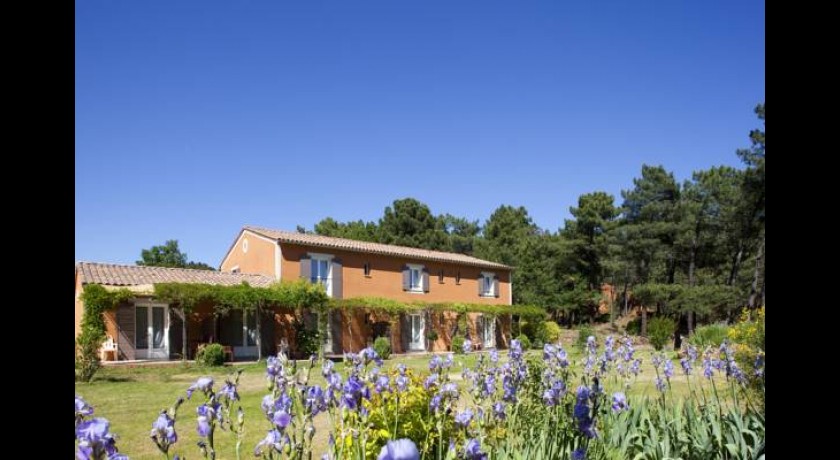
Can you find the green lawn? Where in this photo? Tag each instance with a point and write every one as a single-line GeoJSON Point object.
{"type": "Point", "coordinates": [131, 398]}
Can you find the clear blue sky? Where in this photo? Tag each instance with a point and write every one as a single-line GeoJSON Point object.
{"type": "Point", "coordinates": [194, 118]}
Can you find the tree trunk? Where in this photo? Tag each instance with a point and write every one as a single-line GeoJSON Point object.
{"type": "Point", "coordinates": [624, 297]}
{"type": "Point", "coordinates": [754, 288]}
{"type": "Point", "coordinates": [258, 313]}
{"type": "Point", "coordinates": [643, 329]}
{"type": "Point", "coordinates": [691, 267]}
{"type": "Point", "coordinates": [736, 263]}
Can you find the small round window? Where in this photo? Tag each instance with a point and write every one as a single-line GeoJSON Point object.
{"type": "Point", "coordinates": [245, 245]}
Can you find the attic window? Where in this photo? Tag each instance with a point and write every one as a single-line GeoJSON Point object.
{"type": "Point", "coordinates": [367, 268]}
{"type": "Point", "coordinates": [235, 269]}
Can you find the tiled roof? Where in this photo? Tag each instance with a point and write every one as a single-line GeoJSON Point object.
{"type": "Point", "coordinates": [372, 248]}
{"type": "Point", "coordinates": [135, 275]}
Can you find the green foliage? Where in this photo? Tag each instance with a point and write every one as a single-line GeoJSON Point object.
{"type": "Point", "coordinates": [96, 300]}
{"type": "Point", "coordinates": [660, 330]}
{"type": "Point", "coordinates": [411, 223]}
{"type": "Point", "coordinates": [584, 331]}
{"type": "Point", "coordinates": [389, 306]}
{"type": "Point", "coordinates": [634, 326]}
{"type": "Point", "coordinates": [538, 344]}
{"type": "Point", "coordinates": [210, 355]}
{"type": "Point", "coordinates": [710, 335]}
{"type": "Point", "coordinates": [587, 234]}
{"type": "Point", "coordinates": [382, 346]}
{"type": "Point", "coordinates": [357, 230]}
{"type": "Point", "coordinates": [550, 332]}
{"type": "Point", "coordinates": [307, 338]}
{"type": "Point", "coordinates": [405, 417]}
{"type": "Point", "coordinates": [169, 255]}
{"type": "Point", "coordinates": [457, 345]}
{"type": "Point", "coordinates": [524, 341]}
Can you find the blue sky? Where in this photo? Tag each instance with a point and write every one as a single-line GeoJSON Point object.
{"type": "Point", "coordinates": [194, 118]}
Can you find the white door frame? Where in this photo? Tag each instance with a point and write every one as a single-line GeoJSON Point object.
{"type": "Point", "coordinates": [152, 353]}
{"type": "Point", "coordinates": [421, 345]}
{"type": "Point", "coordinates": [243, 349]}
{"type": "Point", "coordinates": [488, 337]}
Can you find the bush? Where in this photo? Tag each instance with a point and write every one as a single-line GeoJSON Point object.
{"type": "Point", "coordinates": [210, 355]}
{"type": "Point", "coordinates": [529, 329]}
{"type": "Point", "coordinates": [458, 344]}
{"type": "Point", "coordinates": [382, 347]}
{"type": "Point", "coordinates": [584, 332]}
{"type": "Point", "coordinates": [524, 341]}
{"type": "Point", "coordinates": [87, 355]}
{"type": "Point", "coordinates": [306, 337]}
{"type": "Point", "coordinates": [538, 344]}
{"type": "Point", "coordinates": [711, 335]}
{"type": "Point", "coordinates": [660, 330]}
{"type": "Point", "coordinates": [634, 327]}
{"type": "Point", "coordinates": [550, 332]}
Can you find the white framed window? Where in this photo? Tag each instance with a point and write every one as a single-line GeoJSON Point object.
{"type": "Point", "coordinates": [415, 278]}
{"type": "Point", "coordinates": [320, 268]}
{"type": "Point", "coordinates": [488, 284]}
{"type": "Point", "coordinates": [235, 269]}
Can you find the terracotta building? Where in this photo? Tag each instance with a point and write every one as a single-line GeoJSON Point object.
{"type": "Point", "coordinates": [146, 329]}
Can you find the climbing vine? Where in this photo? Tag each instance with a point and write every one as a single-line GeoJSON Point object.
{"type": "Point", "coordinates": [97, 300]}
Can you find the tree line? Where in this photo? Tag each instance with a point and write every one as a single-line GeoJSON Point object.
{"type": "Point", "coordinates": [692, 250]}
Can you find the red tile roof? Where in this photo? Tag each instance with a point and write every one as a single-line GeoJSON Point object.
{"type": "Point", "coordinates": [134, 275]}
{"type": "Point", "coordinates": [320, 241]}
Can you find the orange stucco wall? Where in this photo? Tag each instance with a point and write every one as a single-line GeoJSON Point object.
{"type": "Point", "coordinates": [258, 259]}
{"type": "Point", "coordinates": [79, 306]}
{"type": "Point", "coordinates": [385, 279]}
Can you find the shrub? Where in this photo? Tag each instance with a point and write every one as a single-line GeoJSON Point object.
{"type": "Point", "coordinates": [529, 329]}
{"type": "Point", "coordinates": [524, 341]}
{"type": "Point", "coordinates": [306, 337]}
{"type": "Point", "coordinates": [87, 355]}
{"type": "Point", "coordinates": [584, 332]}
{"type": "Point", "coordinates": [210, 355]}
{"type": "Point", "coordinates": [538, 344]}
{"type": "Point", "coordinates": [382, 346]}
{"type": "Point", "coordinates": [458, 344]}
{"type": "Point", "coordinates": [711, 335]}
{"type": "Point", "coordinates": [660, 330]}
{"type": "Point", "coordinates": [550, 332]}
{"type": "Point", "coordinates": [634, 327]}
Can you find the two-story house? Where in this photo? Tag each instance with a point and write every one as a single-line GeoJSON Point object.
{"type": "Point", "coordinates": [348, 269]}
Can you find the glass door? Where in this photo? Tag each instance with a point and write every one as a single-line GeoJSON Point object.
{"type": "Point", "coordinates": [418, 332]}
{"type": "Point", "coordinates": [488, 331]}
{"type": "Point", "coordinates": [150, 332]}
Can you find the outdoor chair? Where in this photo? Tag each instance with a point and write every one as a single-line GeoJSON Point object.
{"type": "Point", "coordinates": [108, 350]}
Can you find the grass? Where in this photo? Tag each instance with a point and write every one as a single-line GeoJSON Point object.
{"type": "Point", "coordinates": [131, 398]}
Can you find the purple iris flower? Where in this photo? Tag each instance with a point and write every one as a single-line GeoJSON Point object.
{"type": "Point", "coordinates": [609, 343]}
{"type": "Point", "coordinates": [579, 454]}
{"type": "Point", "coordinates": [434, 404]}
{"type": "Point", "coordinates": [273, 367]}
{"type": "Point", "coordinates": [636, 367]}
{"type": "Point", "coordinates": [467, 346]}
{"type": "Point", "coordinates": [591, 346]}
{"type": "Point", "coordinates": [272, 441]}
{"type": "Point", "coordinates": [550, 397]}
{"type": "Point", "coordinates": [229, 391]}
{"type": "Point", "coordinates": [499, 410]}
{"type": "Point", "coordinates": [326, 368]}
{"type": "Point", "coordinates": [489, 384]}
{"type": "Point", "coordinates": [583, 392]}
{"type": "Point", "coordinates": [472, 450]}
{"type": "Point", "coordinates": [204, 384]}
{"type": "Point", "coordinates": [402, 383]}
{"type": "Point", "coordinates": [83, 409]}
{"type": "Point", "coordinates": [401, 449]}
{"type": "Point", "coordinates": [383, 383]}
{"type": "Point", "coordinates": [163, 430]}
{"type": "Point", "coordinates": [282, 419]}
{"type": "Point", "coordinates": [660, 384]}
{"type": "Point", "coordinates": [669, 368]}
{"type": "Point", "coordinates": [619, 402]}
{"type": "Point", "coordinates": [430, 381]}
{"type": "Point", "coordinates": [315, 401]}
{"type": "Point", "coordinates": [515, 349]}
{"type": "Point", "coordinates": [450, 389]}
{"type": "Point", "coordinates": [494, 356]}
{"type": "Point", "coordinates": [205, 416]}
{"type": "Point", "coordinates": [401, 368]}
{"type": "Point", "coordinates": [463, 418]}
{"type": "Point", "coordinates": [435, 362]}
{"type": "Point", "coordinates": [686, 366]}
